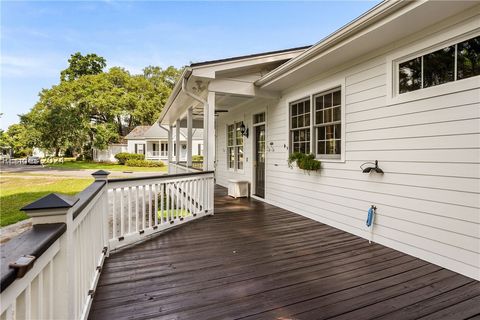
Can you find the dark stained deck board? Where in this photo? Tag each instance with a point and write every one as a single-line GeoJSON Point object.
{"type": "Point", "coordinates": [252, 260]}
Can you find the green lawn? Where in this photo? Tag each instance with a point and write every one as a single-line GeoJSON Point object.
{"type": "Point", "coordinates": [16, 192]}
{"type": "Point", "coordinates": [173, 213]}
{"type": "Point", "coordinates": [79, 165]}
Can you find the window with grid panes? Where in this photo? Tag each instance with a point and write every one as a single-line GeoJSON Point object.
{"type": "Point", "coordinates": [300, 126]}
{"type": "Point", "coordinates": [234, 147]}
{"type": "Point", "coordinates": [452, 63]}
{"type": "Point", "coordinates": [328, 123]}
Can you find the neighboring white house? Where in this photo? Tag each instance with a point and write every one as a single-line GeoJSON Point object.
{"type": "Point", "coordinates": [400, 85]}
{"type": "Point", "coordinates": [152, 141]}
{"type": "Point", "coordinates": [109, 153]}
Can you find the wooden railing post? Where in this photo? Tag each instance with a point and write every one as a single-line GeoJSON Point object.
{"type": "Point", "coordinates": [56, 208]}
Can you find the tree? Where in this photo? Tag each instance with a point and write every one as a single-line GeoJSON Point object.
{"type": "Point", "coordinates": [19, 139]}
{"type": "Point", "coordinates": [80, 65]}
{"type": "Point", "coordinates": [90, 108]}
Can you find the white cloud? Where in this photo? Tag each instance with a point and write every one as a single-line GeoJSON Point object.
{"type": "Point", "coordinates": [30, 66]}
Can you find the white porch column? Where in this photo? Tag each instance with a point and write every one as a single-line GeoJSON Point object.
{"type": "Point", "coordinates": [189, 136]}
{"type": "Point", "coordinates": [209, 133]}
{"type": "Point", "coordinates": [177, 141]}
{"type": "Point", "coordinates": [170, 147]}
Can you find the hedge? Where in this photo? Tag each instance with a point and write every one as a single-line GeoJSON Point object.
{"type": "Point", "coordinates": [123, 157]}
{"type": "Point", "coordinates": [144, 163]}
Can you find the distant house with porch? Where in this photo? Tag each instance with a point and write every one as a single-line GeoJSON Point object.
{"type": "Point", "coordinates": [152, 141]}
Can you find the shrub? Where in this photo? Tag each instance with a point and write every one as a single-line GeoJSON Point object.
{"type": "Point", "coordinates": [197, 158]}
{"type": "Point", "coordinates": [143, 163]}
{"type": "Point", "coordinates": [123, 157]}
{"type": "Point", "coordinates": [306, 162]}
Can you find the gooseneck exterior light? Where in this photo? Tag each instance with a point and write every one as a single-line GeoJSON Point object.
{"type": "Point", "coordinates": [374, 168]}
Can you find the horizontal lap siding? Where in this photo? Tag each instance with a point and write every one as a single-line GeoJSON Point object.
{"type": "Point", "coordinates": [428, 200]}
{"type": "Point", "coordinates": [222, 173]}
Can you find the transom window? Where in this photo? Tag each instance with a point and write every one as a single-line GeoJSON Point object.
{"type": "Point", "coordinates": [328, 123]}
{"type": "Point", "coordinates": [259, 118]}
{"type": "Point", "coordinates": [234, 147]}
{"type": "Point", "coordinates": [300, 125]}
{"type": "Point", "coordinates": [452, 63]}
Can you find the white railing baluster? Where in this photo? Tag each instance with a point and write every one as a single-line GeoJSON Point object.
{"type": "Point", "coordinates": [136, 209]}
{"type": "Point", "coordinates": [144, 199]}
{"type": "Point", "coordinates": [191, 183]}
{"type": "Point", "coordinates": [122, 213]}
{"type": "Point", "coordinates": [162, 196]}
{"type": "Point", "coordinates": [150, 210]}
{"type": "Point", "coordinates": [40, 293]}
{"type": "Point", "coordinates": [11, 311]}
{"type": "Point", "coordinates": [178, 200]}
{"type": "Point", "coordinates": [28, 302]}
{"type": "Point", "coordinates": [129, 210]}
{"type": "Point", "coordinates": [167, 203]}
{"type": "Point", "coordinates": [50, 289]}
{"type": "Point", "coordinates": [155, 212]}
{"type": "Point", "coordinates": [195, 197]}
{"type": "Point", "coordinates": [114, 214]}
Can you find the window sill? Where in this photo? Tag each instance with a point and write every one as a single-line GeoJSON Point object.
{"type": "Point", "coordinates": [446, 88]}
{"type": "Point", "coordinates": [330, 160]}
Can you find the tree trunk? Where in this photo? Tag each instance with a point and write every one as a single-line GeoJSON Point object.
{"type": "Point", "coordinates": [57, 152]}
{"type": "Point", "coordinates": [120, 128]}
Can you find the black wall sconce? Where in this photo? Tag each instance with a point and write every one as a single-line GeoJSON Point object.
{"type": "Point", "coordinates": [244, 130]}
{"type": "Point", "coordinates": [370, 168]}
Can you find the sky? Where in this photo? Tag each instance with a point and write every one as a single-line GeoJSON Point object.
{"type": "Point", "coordinates": [38, 37]}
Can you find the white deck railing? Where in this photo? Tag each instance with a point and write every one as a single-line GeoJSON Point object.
{"type": "Point", "coordinates": [140, 207]}
{"type": "Point", "coordinates": [109, 214]}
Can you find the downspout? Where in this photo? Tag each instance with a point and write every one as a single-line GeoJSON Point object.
{"type": "Point", "coordinates": [186, 76]}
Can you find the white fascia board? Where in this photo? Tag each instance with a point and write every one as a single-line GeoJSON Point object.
{"type": "Point", "coordinates": [379, 12]}
{"type": "Point", "coordinates": [209, 70]}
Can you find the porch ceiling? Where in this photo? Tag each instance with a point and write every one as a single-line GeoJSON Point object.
{"type": "Point", "coordinates": [224, 102]}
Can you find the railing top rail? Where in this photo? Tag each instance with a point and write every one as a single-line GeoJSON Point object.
{"type": "Point", "coordinates": [85, 196]}
{"type": "Point", "coordinates": [33, 242]}
{"type": "Point", "coordinates": [183, 164]}
{"type": "Point", "coordinates": [163, 177]}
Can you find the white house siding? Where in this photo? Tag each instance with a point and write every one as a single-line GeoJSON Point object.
{"type": "Point", "coordinates": [109, 153]}
{"type": "Point", "coordinates": [223, 174]}
{"type": "Point", "coordinates": [428, 198]}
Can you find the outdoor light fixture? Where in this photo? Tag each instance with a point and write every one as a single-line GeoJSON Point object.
{"type": "Point", "coordinates": [370, 169]}
{"type": "Point", "coordinates": [244, 130]}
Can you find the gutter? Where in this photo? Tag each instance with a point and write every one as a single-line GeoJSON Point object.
{"type": "Point", "coordinates": [176, 90]}
{"type": "Point", "coordinates": [186, 76]}
{"type": "Point", "coordinates": [375, 14]}
{"type": "Point", "coordinates": [181, 86]}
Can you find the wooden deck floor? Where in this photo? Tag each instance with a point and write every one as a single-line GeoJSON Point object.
{"type": "Point", "coordinates": [252, 260]}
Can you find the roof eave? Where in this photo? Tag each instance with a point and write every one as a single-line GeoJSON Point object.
{"type": "Point", "coordinates": [378, 12]}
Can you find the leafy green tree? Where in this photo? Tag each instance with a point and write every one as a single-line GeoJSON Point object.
{"type": "Point", "coordinates": [90, 108]}
{"type": "Point", "coordinates": [80, 65]}
{"type": "Point", "coordinates": [19, 139]}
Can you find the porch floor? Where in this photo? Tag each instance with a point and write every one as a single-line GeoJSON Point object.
{"type": "Point", "coordinates": [252, 260]}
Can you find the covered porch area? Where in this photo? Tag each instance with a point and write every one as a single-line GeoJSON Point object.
{"type": "Point", "coordinates": [252, 260]}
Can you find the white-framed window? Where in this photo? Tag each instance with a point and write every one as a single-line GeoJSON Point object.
{"type": "Point", "coordinates": [300, 128]}
{"type": "Point", "coordinates": [328, 123]}
{"type": "Point", "coordinates": [456, 61]}
{"type": "Point", "coordinates": [139, 148]}
{"type": "Point", "coordinates": [234, 147]}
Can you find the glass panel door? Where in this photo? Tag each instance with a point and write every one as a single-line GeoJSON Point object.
{"type": "Point", "coordinates": [260, 161]}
